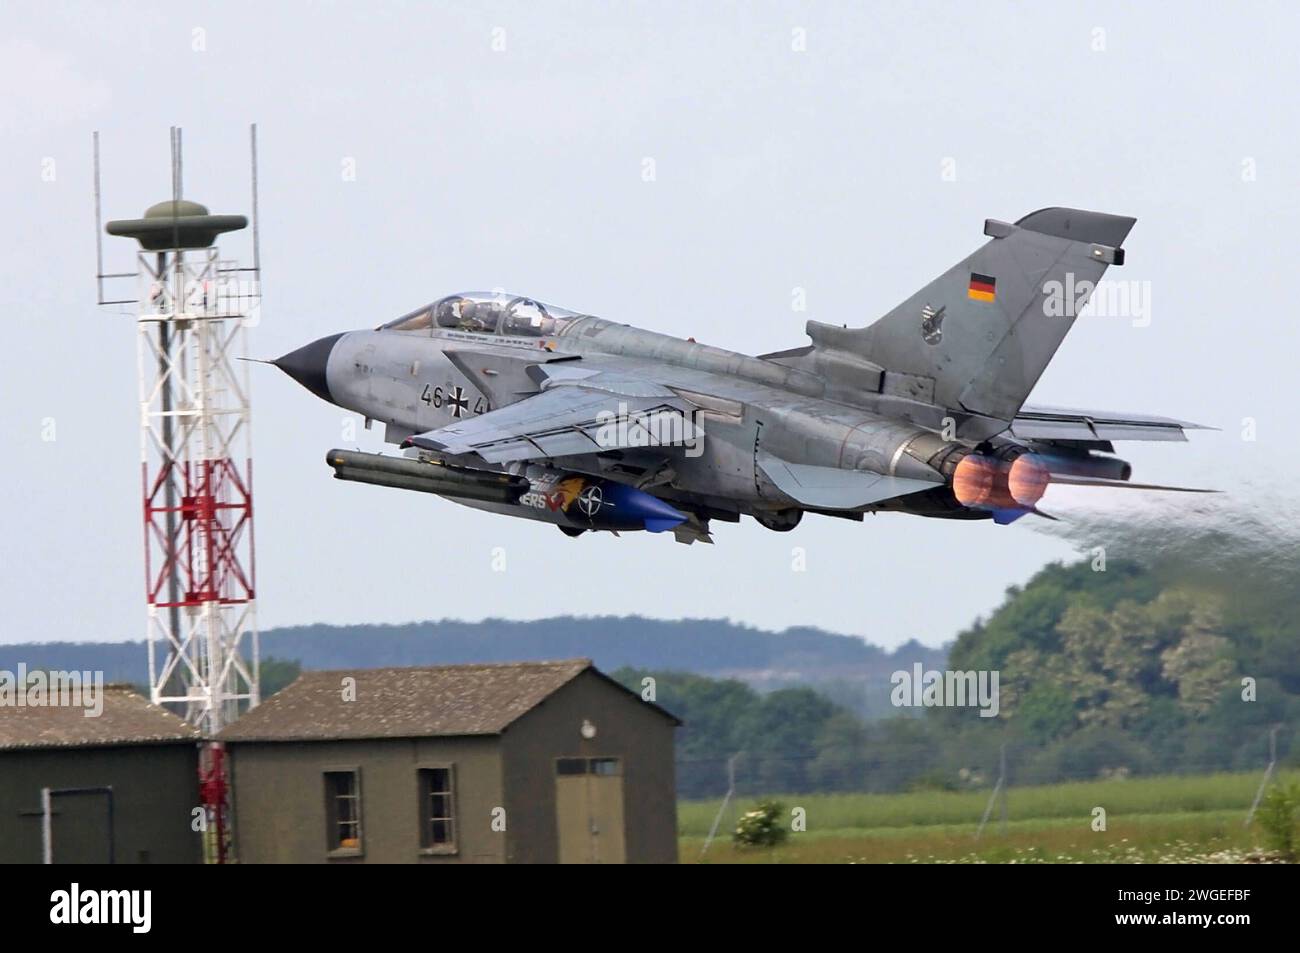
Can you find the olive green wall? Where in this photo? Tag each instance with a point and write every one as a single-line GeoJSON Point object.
{"type": "Point", "coordinates": [626, 728]}
{"type": "Point", "coordinates": [155, 791]}
{"type": "Point", "coordinates": [279, 799]}
{"type": "Point", "coordinates": [279, 788]}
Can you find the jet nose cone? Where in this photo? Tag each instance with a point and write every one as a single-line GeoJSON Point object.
{"type": "Point", "coordinates": [307, 365]}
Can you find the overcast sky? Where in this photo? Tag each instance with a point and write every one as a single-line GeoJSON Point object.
{"type": "Point", "coordinates": [851, 150]}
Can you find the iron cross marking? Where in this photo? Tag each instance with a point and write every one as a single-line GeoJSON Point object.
{"type": "Point", "coordinates": [458, 401]}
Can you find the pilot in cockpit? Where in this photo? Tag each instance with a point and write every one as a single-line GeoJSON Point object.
{"type": "Point", "coordinates": [472, 316]}
{"type": "Point", "coordinates": [448, 315]}
{"type": "Point", "coordinates": [462, 314]}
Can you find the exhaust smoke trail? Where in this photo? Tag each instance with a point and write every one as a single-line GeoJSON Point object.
{"type": "Point", "coordinates": [1245, 542]}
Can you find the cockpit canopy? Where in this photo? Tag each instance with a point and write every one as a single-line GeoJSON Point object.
{"type": "Point", "coordinates": [487, 312]}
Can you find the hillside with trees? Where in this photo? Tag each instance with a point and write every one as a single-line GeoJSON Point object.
{"type": "Point", "coordinates": [1162, 671]}
{"type": "Point", "coordinates": [1127, 671]}
{"type": "Point", "coordinates": [1101, 674]}
{"type": "Point", "coordinates": [850, 670]}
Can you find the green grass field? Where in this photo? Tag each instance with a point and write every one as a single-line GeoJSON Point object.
{"type": "Point", "coordinates": [1195, 819]}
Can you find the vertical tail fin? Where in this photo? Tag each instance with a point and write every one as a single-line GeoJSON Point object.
{"type": "Point", "coordinates": [978, 337]}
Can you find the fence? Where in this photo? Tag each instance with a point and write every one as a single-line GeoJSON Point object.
{"type": "Point", "coordinates": [971, 766]}
{"type": "Point", "coordinates": [1017, 782]}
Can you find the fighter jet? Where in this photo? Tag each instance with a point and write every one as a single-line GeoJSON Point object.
{"type": "Point", "coordinates": [517, 407]}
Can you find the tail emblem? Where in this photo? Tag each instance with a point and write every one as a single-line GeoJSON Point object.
{"type": "Point", "coordinates": [932, 324]}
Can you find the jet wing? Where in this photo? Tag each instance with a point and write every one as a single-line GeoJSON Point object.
{"type": "Point", "coordinates": [567, 420]}
{"type": "Point", "coordinates": [1093, 426]}
{"type": "Point", "coordinates": [830, 488]}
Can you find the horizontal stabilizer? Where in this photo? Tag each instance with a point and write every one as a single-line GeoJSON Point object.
{"type": "Point", "coordinates": [831, 488]}
{"type": "Point", "coordinates": [1090, 426]}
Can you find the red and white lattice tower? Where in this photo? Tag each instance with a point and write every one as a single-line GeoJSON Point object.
{"type": "Point", "coordinates": [193, 309]}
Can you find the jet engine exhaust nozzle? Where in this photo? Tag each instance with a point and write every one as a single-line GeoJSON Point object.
{"type": "Point", "coordinates": [974, 481]}
{"type": "Point", "coordinates": [1007, 488]}
{"type": "Point", "coordinates": [1027, 480]}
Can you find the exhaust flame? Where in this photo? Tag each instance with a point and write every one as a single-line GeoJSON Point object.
{"type": "Point", "coordinates": [974, 481]}
{"type": "Point", "coordinates": [1027, 480]}
{"type": "Point", "coordinates": [990, 483]}
{"type": "Point", "coordinates": [1011, 485]}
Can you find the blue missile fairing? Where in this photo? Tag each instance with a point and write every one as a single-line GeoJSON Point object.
{"type": "Point", "coordinates": [626, 506]}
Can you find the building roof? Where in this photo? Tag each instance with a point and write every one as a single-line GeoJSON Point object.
{"type": "Point", "coordinates": [407, 702]}
{"type": "Point", "coordinates": [127, 718]}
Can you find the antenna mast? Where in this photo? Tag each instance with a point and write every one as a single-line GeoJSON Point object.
{"type": "Point", "coordinates": [193, 309]}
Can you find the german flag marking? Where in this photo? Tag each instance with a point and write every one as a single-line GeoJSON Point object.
{"type": "Point", "coordinates": [982, 287]}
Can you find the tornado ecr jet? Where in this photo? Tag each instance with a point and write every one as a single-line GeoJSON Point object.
{"type": "Point", "coordinates": [500, 402]}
